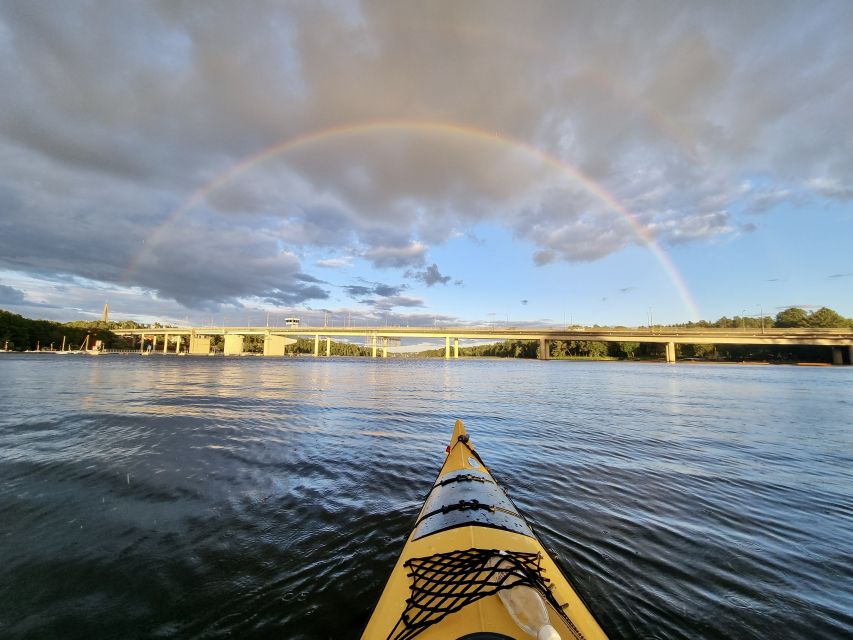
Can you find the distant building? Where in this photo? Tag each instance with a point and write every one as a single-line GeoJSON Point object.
{"type": "Point", "coordinates": [291, 322]}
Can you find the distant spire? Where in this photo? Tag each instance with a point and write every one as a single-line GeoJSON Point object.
{"type": "Point", "coordinates": [106, 317]}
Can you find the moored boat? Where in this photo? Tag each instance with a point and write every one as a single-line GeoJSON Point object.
{"type": "Point", "coordinates": [472, 568]}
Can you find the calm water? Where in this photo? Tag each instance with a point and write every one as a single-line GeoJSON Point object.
{"type": "Point", "coordinates": [182, 497]}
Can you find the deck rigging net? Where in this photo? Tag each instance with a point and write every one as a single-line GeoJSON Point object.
{"type": "Point", "coordinates": [446, 582]}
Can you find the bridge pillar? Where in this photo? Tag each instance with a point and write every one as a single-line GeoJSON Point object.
{"type": "Point", "coordinates": [455, 347]}
{"type": "Point", "coordinates": [275, 345]}
{"type": "Point", "coordinates": [447, 347]}
{"type": "Point", "coordinates": [328, 347]}
{"type": "Point", "coordinates": [670, 352]}
{"type": "Point", "coordinates": [385, 348]}
{"type": "Point", "coordinates": [200, 345]}
{"type": "Point", "coordinates": [154, 343]}
{"type": "Point", "coordinates": [837, 355]}
{"type": "Point", "coordinates": [316, 344]}
{"type": "Point", "coordinates": [374, 346]}
{"type": "Point", "coordinates": [166, 343]}
{"type": "Point", "coordinates": [233, 344]}
{"type": "Point", "coordinates": [142, 343]}
{"type": "Point", "coordinates": [544, 349]}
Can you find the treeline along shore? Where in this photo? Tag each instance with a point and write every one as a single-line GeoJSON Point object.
{"type": "Point", "coordinates": [18, 333]}
{"type": "Point", "coordinates": [793, 317]}
{"type": "Point", "coordinates": [24, 334]}
{"type": "Point", "coordinates": [594, 350]}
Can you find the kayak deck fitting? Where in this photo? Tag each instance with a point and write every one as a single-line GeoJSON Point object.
{"type": "Point", "coordinates": [470, 550]}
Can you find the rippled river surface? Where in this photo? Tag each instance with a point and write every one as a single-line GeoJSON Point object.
{"type": "Point", "coordinates": [167, 497]}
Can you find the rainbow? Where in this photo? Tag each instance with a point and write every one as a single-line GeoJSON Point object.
{"type": "Point", "coordinates": [427, 127]}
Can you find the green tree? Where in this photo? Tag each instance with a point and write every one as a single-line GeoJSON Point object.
{"type": "Point", "coordinates": [792, 317]}
{"type": "Point", "coordinates": [824, 317]}
{"type": "Point", "coordinates": [704, 350]}
{"type": "Point", "coordinates": [628, 348]}
{"type": "Point", "coordinates": [597, 349]}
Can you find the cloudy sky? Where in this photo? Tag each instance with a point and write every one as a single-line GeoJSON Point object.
{"type": "Point", "coordinates": [422, 162]}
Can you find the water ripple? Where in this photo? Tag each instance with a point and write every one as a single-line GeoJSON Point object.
{"type": "Point", "coordinates": [198, 497]}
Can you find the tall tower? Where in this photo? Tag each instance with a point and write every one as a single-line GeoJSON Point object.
{"type": "Point", "coordinates": [106, 316]}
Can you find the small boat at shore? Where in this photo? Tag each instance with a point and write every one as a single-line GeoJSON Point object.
{"type": "Point", "coordinates": [472, 568]}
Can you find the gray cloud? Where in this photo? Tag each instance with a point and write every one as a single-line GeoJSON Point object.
{"type": "Point", "coordinates": [11, 295]}
{"type": "Point", "coordinates": [364, 292]}
{"type": "Point", "coordinates": [411, 254]}
{"type": "Point", "coordinates": [392, 302]}
{"type": "Point", "coordinates": [763, 201]}
{"type": "Point", "coordinates": [382, 297]}
{"type": "Point", "coordinates": [684, 230]}
{"type": "Point", "coordinates": [429, 276]}
{"type": "Point", "coordinates": [358, 291]}
{"type": "Point", "coordinates": [387, 290]}
{"type": "Point", "coordinates": [114, 115]}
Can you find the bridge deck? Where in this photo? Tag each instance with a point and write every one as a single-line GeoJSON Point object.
{"type": "Point", "coordinates": [828, 337]}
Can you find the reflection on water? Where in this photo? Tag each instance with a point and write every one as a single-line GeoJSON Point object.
{"type": "Point", "coordinates": [199, 497]}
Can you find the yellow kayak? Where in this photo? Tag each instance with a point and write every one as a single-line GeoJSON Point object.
{"type": "Point", "coordinates": [472, 569]}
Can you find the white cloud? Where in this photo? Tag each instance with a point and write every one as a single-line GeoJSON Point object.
{"type": "Point", "coordinates": [114, 116]}
{"type": "Point", "coordinates": [831, 188]}
{"type": "Point", "coordinates": [335, 263]}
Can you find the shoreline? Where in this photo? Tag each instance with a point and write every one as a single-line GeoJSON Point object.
{"type": "Point", "coordinates": [692, 361]}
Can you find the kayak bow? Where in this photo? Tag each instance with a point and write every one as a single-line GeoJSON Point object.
{"type": "Point", "coordinates": [472, 568]}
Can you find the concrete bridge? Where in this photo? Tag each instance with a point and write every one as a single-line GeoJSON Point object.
{"type": "Point", "coordinates": [196, 340]}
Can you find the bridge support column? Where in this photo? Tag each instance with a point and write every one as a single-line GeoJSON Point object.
{"type": "Point", "coordinates": [142, 343]}
{"type": "Point", "coordinates": [328, 347]}
{"type": "Point", "coordinates": [154, 343]}
{"type": "Point", "coordinates": [544, 349]}
{"type": "Point", "coordinates": [200, 345]}
{"type": "Point", "coordinates": [316, 345]}
{"type": "Point", "coordinates": [166, 343]}
{"type": "Point", "coordinates": [374, 347]}
{"type": "Point", "coordinates": [670, 352]}
{"type": "Point", "coordinates": [233, 344]}
{"type": "Point", "coordinates": [275, 345]}
{"type": "Point", "coordinates": [455, 347]}
{"type": "Point", "coordinates": [447, 347]}
{"type": "Point", "coordinates": [837, 355]}
{"type": "Point", "coordinates": [385, 348]}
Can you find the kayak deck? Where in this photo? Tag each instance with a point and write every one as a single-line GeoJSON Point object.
{"type": "Point", "coordinates": [444, 584]}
